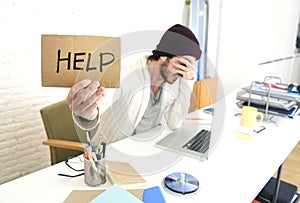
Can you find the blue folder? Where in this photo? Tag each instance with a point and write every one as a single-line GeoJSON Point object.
{"type": "Point", "coordinates": [153, 195]}
{"type": "Point", "coordinates": [290, 113]}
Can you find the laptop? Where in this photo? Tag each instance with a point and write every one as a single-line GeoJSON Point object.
{"type": "Point", "coordinates": [178, 141]}
{"type": "Point", "coordinates": [190, 140]}
{"type": "Point", "coordinates": [196, 140]}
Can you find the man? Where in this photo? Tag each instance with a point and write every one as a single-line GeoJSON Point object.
{"type": "Point", "coordinates": [154, 91]}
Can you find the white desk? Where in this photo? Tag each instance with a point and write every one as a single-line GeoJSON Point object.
{"type": "Point", "coordinates": [235, 172]}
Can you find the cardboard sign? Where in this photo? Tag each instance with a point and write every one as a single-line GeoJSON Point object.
{"type": "Point", "coordinates": [67, 59]}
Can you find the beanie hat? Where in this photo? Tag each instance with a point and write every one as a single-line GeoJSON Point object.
{"type": "Point", "coordinates": [178, 41]}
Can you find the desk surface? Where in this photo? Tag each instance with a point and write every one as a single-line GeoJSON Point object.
{"type": "Point", "coordinates": [235, 172]}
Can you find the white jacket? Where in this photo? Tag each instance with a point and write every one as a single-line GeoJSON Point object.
{"type": "Point", "coordinates": [130, 101]}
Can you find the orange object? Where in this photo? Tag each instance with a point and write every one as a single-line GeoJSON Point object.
{"type": "Point", "coordinates": [86, 155]}
{"type": "Point", "coordinates": [195, 119]}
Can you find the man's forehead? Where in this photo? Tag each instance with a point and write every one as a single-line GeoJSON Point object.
{"type": "Point", "coordinates": [191, 59]}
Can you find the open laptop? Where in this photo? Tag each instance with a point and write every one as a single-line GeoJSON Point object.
{"type": "Point", "coordinates": [191, 139]}
{"type": "Point", "coordinates": [179, 140]}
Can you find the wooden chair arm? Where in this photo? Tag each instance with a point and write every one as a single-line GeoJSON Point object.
{"type": "Point", "coordinates": [65, 144]}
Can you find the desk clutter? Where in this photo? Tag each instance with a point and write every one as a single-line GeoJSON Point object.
{"type": "Point", "coordinates": [127, 184]}
{"type": "Point", "coordinates": [271, 97]}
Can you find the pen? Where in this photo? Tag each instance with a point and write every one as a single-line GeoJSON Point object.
{"type": "Point", "coordinates": [99, 152]}
{"type": "Point", "coordinates": [87, 133]}
{"type": "Point", "coordinates": [103, 150]}
{"type": "Point", "coordinates": [195, 119]}
{"type": "Point", "coordinates": [262, 128]}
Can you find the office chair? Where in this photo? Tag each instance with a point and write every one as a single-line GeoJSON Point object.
{"type": "Point", "coordinates": [204, 93]}
{"type": "Point", "coordinates": [63, 135]}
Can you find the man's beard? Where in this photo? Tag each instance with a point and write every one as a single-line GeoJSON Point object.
{"type": "Point", "coordinates": [165, 72]}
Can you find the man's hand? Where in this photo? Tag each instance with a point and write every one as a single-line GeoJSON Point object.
{"type": "Point", "coordinates": [184, 66]}
{"type": "Point", "coordinates": [84, 98]}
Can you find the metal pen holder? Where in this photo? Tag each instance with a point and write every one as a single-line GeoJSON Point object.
{"type": "Point", "coordinates": [94, 176]}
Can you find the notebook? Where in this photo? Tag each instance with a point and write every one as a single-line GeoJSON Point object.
{"type": "Point", "coordinates": [123, 174]}
{"type": "Point", "coordinates": [153, 195]}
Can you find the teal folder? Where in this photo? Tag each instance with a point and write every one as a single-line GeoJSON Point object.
{"type": "Point", "coordinates": [153, 195]}
{"type": "Point", "coordinates": [116, 194]}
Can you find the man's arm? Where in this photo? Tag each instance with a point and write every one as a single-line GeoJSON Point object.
{"type": "Point", "coordinates": [179, 108]}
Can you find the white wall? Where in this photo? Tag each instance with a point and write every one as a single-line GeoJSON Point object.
{"type": "Point", "coordinates": [252, 32]}
{"type": "Point", "coordinates": [21, 94]}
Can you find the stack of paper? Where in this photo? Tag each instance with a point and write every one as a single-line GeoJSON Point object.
{"type": "Point", "coordinates": [125, 175]}
{"type": "Point", "coordinates": [282, 104]}
{"type": "Point", "coordinates": [263, 100]}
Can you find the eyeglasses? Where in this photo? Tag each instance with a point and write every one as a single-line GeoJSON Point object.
{"type": "Point", "coordinates": [67, 162]}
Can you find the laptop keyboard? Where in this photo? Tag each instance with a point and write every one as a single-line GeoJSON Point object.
{"type": "Point", "coordinates": [200, 142]}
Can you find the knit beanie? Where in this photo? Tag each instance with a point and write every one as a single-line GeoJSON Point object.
{"type": "Point", "coordinates": [178, 41]}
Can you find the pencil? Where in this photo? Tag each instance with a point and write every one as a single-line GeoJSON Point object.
{"type": "Point", "coordinates": [91, 159]}
{"type": "Point", "coordinates": [99, 143]}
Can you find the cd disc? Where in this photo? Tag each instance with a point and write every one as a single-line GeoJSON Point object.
{"type": "Point", "coordinates": [181, 183]}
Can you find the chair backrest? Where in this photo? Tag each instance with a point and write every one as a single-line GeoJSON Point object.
{"type": "Point", "coordinates": [204, 93]}
{"type": "Point", "coordinates": [59, 124]}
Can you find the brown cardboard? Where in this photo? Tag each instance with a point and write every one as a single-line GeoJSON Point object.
{"type": "Point", "coordinates": [67, 59]}
{"type": "Point", "coordinates": [85, 196]}
{"type": "Point", "coordinates": [123, 174]}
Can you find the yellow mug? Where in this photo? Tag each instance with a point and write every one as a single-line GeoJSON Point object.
{"type": "Point", "coordinates": [251, 117]}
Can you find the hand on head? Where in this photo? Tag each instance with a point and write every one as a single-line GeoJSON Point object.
{"type": "Point", "coordinates": [183, 66]}
{"type": "Point", "coordinates": [84, 98]}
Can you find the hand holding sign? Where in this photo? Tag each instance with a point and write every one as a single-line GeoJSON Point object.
{"type": "Point", "coordinates": [84, 98]}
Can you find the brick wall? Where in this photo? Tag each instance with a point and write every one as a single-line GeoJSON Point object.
{"type": "Point", "coordinates": [21, 128]}
{"type": "Point", "coordinates": [21, 96]}
{"type": "Point", "coordinates": [21, 93]}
